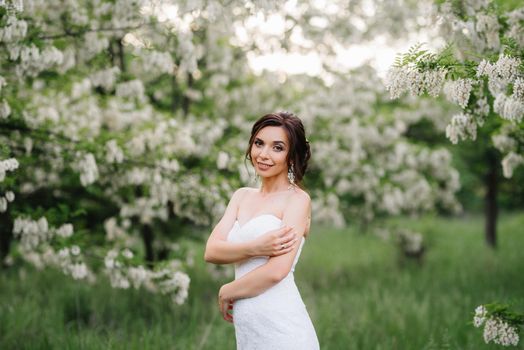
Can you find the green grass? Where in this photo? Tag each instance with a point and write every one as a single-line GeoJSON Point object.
{"type": "Point", "coordinates": [359, 294]}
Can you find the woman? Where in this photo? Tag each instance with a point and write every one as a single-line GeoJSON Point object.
{"type": "Point", "coordinates": [262, 232]}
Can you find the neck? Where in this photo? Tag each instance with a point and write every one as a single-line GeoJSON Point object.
{"type": "Point", "coordinates": [273, 185]}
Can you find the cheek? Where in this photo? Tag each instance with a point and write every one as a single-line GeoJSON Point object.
{"type": "Point", "coordinates": [282, 158]}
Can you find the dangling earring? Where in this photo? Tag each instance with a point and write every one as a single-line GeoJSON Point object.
{"type": "Point", "coordinates": [291, 176]}
{"type": "Point", "coordinates": [256, 177]}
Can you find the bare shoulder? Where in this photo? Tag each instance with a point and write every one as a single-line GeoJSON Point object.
{"type": "Point", "coordinates": [299, 198]}
{"type": "Point", "coordinates": [241, 193]}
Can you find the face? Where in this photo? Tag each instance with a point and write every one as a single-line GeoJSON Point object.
{"type": "Point", "coordinates": [269, 151]}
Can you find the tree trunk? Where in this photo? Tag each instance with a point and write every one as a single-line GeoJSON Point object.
{"type": "Point", "coordinates": [147, 237]}
{"type": "Point", "coordinates": [491, 208]}
{"type": "Point", "coordinates": [121, 56]}
{"type": "Point", "coordinates": [174, 94]}
{"type": "Point", "coordinates": [186, 102]}
{"type": "Point", "coordinates": [6, 235]}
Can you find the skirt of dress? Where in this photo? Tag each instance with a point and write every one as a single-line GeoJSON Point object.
{"type": "Point", "coordinates": [276, 319]}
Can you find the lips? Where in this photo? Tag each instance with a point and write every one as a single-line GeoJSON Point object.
{"type": "Point", "coordinates": [263, 166]}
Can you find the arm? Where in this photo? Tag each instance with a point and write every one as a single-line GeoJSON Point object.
{"type": "Point", "coordinates": [278, 267]}
{"type": "Point", "coordinates": [220, 251]}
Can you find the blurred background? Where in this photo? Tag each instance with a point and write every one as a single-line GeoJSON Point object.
{"type": "Point", "coordinates": [123, 127]}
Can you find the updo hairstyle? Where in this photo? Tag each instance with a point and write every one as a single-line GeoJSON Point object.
{"type": "Point", "coordinates": [299, 149]}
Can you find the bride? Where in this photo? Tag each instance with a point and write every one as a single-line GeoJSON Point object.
{"type": "Point", "coordinates": [262, 232]}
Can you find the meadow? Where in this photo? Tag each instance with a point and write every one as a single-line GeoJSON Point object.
{"type": "Point", "coordinates": [359, 293]}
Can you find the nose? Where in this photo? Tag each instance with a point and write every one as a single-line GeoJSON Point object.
{"type": "Point", "coordinates": [263, 152]}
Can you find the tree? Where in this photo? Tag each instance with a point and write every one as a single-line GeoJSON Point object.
{"type": "Point", "coordinates": [128, 120]}
{"type": "Point", "coordinates": [482, 73]}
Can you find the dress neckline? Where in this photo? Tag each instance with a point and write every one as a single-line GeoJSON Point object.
{"type": "Point", "coordinates": [256, 217]}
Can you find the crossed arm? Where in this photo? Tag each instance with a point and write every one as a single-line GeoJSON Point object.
{"type": "Point", "coordinates": [220, 251]}
{"type": "Point", "coordinates": [277, 267]}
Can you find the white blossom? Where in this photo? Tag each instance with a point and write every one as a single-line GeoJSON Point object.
{"type": "Point", "coordinates": [507, 67]}
{"type": "Point", "coordinates": [114, 153]}
{"type": "Point", "coordinates": [31, 233]}
{"type": "Point", "coordinates": [5, 110]}
{"type": "Point", "coordinates": [81, 88]}
{"type": "Point", "coordinates": [93, 44]}
{"type": "Point", "coordinates": [500, 332]}
{"type": "Point", "coordinates": [6, 165]}
{"type": "Point", "coordinates": [88, 169]}
{"type": "Point", "coordinates": [105, 78]}
{"type": "Point", "coordinates": [458, 91]}
{"type": "Point", "coordinates": [396, 82]}
{"type": "Point", "coordinates": [66, 230]}
{"type": "Point", "coordinates": [485, 68]}
{"type": "Point", "coordinates": [509, 108]}
{"type": "Point", "coordinates": [78, 270]}
{"type": "Point", "coordinates": [489, 25]}
{"type": "Point", "coordinates": [222, 160]}
{"type": "Point", "coordinates": [14, 29]}
{"type": "Point", "coordinates": [75, 250]}
{"type": "Point", "coordinates": [433, 80]}
{"type": "Point", "coordinates": [518, 89]}
{"type": "Point", "coordinates": [131, 89]}
{"type": "Point", "coordinates": [10, 196]}
{"type": "Point", "coordinates": [510, 162]}
{"type": "Point", "coordinates": [480, 316]}
{"type": "Point", "coordinates": [138, 276]}
{"type": "Point", "coordinates": [462, 126]}
{"type": "Point", "coordinates": [504, 143]}
{"type": "Point", "coordinates": [127, 253]}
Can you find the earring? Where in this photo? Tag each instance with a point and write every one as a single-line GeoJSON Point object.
{"type": "Point", "coordinates": [291, 175]}
{"type": "Point", "coordinates": [256, 178]}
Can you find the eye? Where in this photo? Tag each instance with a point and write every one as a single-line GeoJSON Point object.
{"type": "Point", "coordinates": [278, 148]}
{"type": "Point", "coordinates": [258, 143]}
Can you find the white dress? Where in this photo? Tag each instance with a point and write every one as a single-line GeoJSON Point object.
{"type": "Point", "coordinates": [277, 318]}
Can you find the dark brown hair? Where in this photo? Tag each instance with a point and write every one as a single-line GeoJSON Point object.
{"type": "Point", "coordinates": [299, 150]}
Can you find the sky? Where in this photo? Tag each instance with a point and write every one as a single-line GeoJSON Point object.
{"type": "Point", "coordinates": [380, 53]}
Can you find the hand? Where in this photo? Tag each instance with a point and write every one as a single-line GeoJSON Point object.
{"type": "Point", "coordinates": [225, 304]}
{"type": "Point", "coordinates": [276, 242]}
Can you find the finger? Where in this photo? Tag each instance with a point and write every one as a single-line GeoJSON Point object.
{"type": "Point", "coordinates": [287, 239]}
{"type": "Point", "coordinates": [287, 243]}
{"type": "Point", "coordinates": [284, 230]}
{"type": "Point", "coordinates": [285, 250]}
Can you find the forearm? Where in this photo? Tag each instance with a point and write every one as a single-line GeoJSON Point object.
{"type": "Point", "coordinates": [253, 283]}
{"type": "Point", "coordinates": [224, 252]}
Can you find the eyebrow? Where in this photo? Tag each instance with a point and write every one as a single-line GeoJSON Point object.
{"type": "Point", "coordinates": [274, 142]}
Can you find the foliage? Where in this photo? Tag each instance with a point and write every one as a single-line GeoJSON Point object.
{"type": "Point", "coordinates": [129, 121]}
{"type": "Point", "coordinates": [356, 297]}
{"type": "Point", "coordinates": [481, 70]}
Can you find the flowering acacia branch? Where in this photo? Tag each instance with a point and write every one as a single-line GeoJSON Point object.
{"type": "Point", "coordinates": [501, 325]}
{"type": "Point", "coordinates": [485, 78]}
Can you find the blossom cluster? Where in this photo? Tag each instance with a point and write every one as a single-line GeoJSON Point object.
{"type": "Point", "coordinates": [496, 329]}
{"type": "Point", "coordinates": [480, 26]}
{"type": "Point", "coordinates": [462, 127]}
{"type": "Point", "coordinates": [458, 91]}
{"type": "Point", "coordinates": [166, 280]}
{"type": "Point", "coordinates": [9, 196]}
{"type": "Point", "coordinates": [41, 245]}
{"type": "Point", "coordinates": [409, 78]}
{"type": "Point", "coordinates": [7, 165]}
{"type": "Point", "coordinates": [87, 167]}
